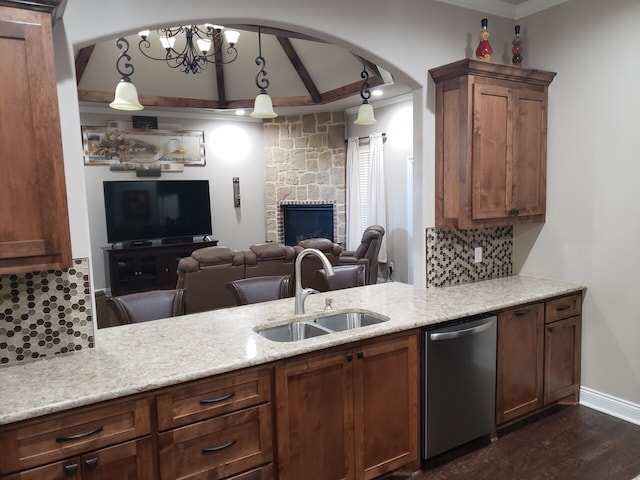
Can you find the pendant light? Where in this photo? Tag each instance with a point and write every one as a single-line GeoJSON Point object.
{"type": "Point", "coordinates": [263, 107]}
{"type": "Point", "coordinates": [126, 96]}
{"type": "Point", "coordinates": [365, 112]}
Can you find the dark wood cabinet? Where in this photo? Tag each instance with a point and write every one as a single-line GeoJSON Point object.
{"type": "Point", "coordinates": [111, 440]}
{"type": "Point", "coordinates": [538, 356]}
{"type": "Point", "coordinates": [562, 349]}
{"type": "Point", "coordinates": [351, 413]}
{"type": "Point", "coordinates": [144, 268]}
{"type": "Point", "coordinates": [519, 372]}
{"type": "Point", "coordinates": [34, 223]}
{"type": "Point", "coordinates": [491, 134]}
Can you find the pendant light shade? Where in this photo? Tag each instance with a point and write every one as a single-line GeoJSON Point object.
{"type": "Point", "coordinates": [263, 107]}
{"type": "Point", "coordinates": [126, 97]}
{"type": "Point", "coordinates": [365, 115]}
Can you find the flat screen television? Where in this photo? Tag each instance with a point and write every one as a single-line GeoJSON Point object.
{"type": "Point", "coordinates": [142, 210]}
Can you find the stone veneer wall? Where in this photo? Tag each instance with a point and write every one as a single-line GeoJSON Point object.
{"type": "Point", "coordinates": [305, 163]}
{"type": "Point", "coordinates": [450, 255]}
{"type": "Point", "coordinates": [45, 313]}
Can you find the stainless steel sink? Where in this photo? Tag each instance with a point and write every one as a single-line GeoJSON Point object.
{"type": "Point", "coordinates": [292, 332]}
{"type": "Point", "coordinates": [322, 325]}
{"type": "Point", "coordinates": [348, 320]}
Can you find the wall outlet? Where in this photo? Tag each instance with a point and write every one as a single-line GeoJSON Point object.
{"type": "Point", "coordinates": [477, 255]}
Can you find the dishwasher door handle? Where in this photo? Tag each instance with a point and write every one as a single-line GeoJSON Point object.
{"type": "Point", "coordinates": [465, 332]}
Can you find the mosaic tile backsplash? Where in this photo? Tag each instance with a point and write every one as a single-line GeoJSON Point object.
{"type": "Point", "coordinates": [450, 255]}
{"type": "Point", "coordinates": [45, 313]}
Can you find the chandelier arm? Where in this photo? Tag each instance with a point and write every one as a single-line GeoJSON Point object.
{"type": "Point", "coordinates": [122, 63]}
{"type": "Point", "coordinates": [144, 43]}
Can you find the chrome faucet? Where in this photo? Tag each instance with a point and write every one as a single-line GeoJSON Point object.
{"type": "Point", "coordinates": [303, 293]}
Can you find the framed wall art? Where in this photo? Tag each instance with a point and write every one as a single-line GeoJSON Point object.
{"type": "Point", "coordinates": [126, 149]}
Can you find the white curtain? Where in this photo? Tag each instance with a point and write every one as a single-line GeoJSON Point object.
{"type": "Point", "coordinates": [354, 232]}
{"type": "Point", "coordinates": [377, 201]}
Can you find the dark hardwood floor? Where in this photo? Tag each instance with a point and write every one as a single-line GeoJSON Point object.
{"type": "Point", "coordinates": [566, 442]}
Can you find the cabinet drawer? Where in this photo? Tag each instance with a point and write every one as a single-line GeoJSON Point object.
{"type": "Point", "coordinates": [263, 473]}
{"type": "Point", "coordinates": [218, 447]}
{"type": "Point", "coordinates": [44, 440]}
{"type": "Point", "coordinates": [563, 307]}
{"type": "Point", "coordinates": [217, 395]}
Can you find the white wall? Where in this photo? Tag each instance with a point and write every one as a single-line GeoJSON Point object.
{"type": "Point", "coordinates": [593, 141]}
{"type": "Point", "coordinates": [396, 120]}
{"type": "Point", "coordinates": [593, 167]}
{"type": "Point", "coordinates": [232, 148]}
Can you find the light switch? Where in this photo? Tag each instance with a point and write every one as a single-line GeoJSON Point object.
{"type": "Point", "coordinates": [477, 255]}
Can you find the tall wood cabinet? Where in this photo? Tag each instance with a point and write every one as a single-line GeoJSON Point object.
{"type": "Point", "coordinates": [491, 135]}
{"type": "Point", "coordinates": [349, 413]}
{"type": "Point", "coordinates": [34, 224]}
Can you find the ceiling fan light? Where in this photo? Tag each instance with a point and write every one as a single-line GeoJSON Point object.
{"type": "Point", "coordinates": [231, 36]}
{"type": "Point", "coordinates": [263, 107]}
{"type": "Point", "coordinates": [365, 115]}
{"type": "Point", "coordinates": [126, 97]}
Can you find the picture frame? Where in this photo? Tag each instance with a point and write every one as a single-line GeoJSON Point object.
{"type": "Point", "coordinates": [125, 149]}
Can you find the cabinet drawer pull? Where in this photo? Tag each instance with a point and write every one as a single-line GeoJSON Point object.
{"type": "Point", "coordinates": [71, 469]}
{"type": "Point", "coordinates": [349, 357]}
{"type": "Point", "coordinates": [513, 212]}
{"type": "Point", "coordinates": [91, 463]}
{"type": "Point", "coordinates": [207, 401]}
{"type": "Point", "coordinates": [521, 313]}
{"type": "Point", "coordinates": [562, 308]}
{"type": "Point", "coordinates": [218, 448]}
{"type": "Point", "coordinates": [360, 355]}
{"type": "Point", "coordinates": [76, 436]}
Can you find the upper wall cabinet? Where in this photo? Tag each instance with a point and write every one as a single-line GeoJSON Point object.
{"type": "Point", "coordinates": [34, 224]}
{"type": "Point", "coordinates": [491, 136]}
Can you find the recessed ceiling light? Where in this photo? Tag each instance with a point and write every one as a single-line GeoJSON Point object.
{"type": "Point", "coordinates": [377, 92]}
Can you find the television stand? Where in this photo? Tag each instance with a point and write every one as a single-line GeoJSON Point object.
{"type": "Point", "coordinates": [139, 268]}
{"type": "Point", "coordinates": [174, 240]}
{"type": "Point", "coordinates": [137, 243]}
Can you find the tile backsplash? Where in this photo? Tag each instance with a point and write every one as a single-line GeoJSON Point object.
{"type": "Point", "coordinates": [45, 313]}
{"type": "Point", "coordinates": [450, 255]}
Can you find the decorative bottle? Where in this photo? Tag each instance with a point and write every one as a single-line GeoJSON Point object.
{"type": "Point", "coordinates": [517, 49]}
{"type": "Point", "coordinates": [484, 50]}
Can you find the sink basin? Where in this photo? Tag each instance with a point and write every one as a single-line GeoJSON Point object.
{"type": "Point", "coordinates": [348, 320]}
{"type": "Point", "coordinates": [314, 327]}
{"type": "Point", "coordinates": [292, 332]}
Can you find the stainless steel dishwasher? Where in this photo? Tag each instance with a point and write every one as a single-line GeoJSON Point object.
{"type": "Point", "coordinates": [460, 382]}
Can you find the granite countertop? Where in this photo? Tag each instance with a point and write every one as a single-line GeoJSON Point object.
{"type": "Point", "coordinates": [136, 358]}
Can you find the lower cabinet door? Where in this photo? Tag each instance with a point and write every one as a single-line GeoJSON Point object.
{"type": "Point", "coordinates": [314, 411]}
{"type": "Point", "coordinates": [386, 406]}
{"type": "Point", "coordinates": [219, 447]}
{"type": "Point", "coordinates": [562, 359]}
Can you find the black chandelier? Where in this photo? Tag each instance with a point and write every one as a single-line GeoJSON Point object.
{"type": "Point", "coordinates": [202, 44]}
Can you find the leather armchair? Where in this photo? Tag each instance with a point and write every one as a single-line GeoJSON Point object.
{"type": "Point", "coordinates": [205, 275]}
{"type": "Point", "coordinates": [366, 252]}
{"type": "Point", "coordinates": [145, 306]}
{"type": "Point", "coordinates": [311, 264]}
{"type": "Point", "coordinates": [344, 276]}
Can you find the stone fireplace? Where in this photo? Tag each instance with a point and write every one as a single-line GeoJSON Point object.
{"type": "Point", "coordinates": [305, 165]}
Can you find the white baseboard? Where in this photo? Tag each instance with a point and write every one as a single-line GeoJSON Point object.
{"type": "Point", "coordinates": [610, 405]}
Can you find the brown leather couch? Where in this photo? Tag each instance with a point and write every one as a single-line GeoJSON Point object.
{"type": "Point", "coordinates": [206, 274]}
{"type": "Point", "coordinates": [367, 252]}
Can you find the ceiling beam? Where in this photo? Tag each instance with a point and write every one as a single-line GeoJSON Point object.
{"type": "Point", "coordinates": [82, 60]}
{"type": "Point", "coordinates": [277, 32]}
{"type": "Point", "coordinates": [286, 45]}
{"type": "Point", "coordinates": [222, 94]}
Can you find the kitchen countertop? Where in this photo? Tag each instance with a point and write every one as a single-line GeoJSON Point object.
{"type": "Point", "coordinates": [135, 358]}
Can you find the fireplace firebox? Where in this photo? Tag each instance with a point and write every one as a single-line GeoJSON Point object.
{"type": "Point", "coordinates": [307, 221]}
